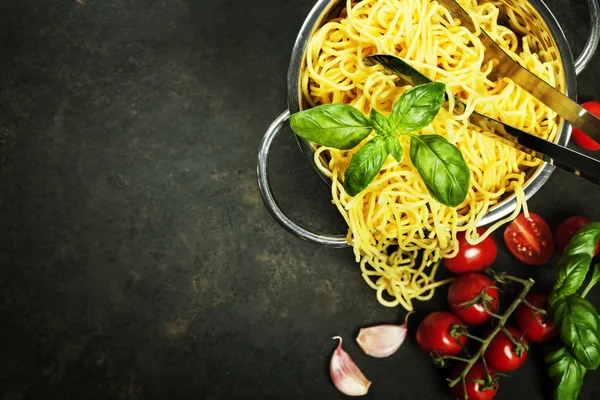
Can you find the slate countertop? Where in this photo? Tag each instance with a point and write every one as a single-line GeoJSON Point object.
{"type": "Point", "coordinates": [137, 258]}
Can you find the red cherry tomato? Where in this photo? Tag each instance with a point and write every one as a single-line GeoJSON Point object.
{"type": "Point", "coordinates": [435, 334]}
{"type": "Point", "coordinates": [475, 383]}
{"type": "Point", "coordinates": [465, 289]}
{"type": "Point", "coordinates": [529, 239]}
{"type": "Point", "coordinates": [538, 328]}
{"type": "Point", "coordinates": [567, 229]}
{"type": "Point", "coordinates": [472, 258]}
{"type": "Point", "coordinates": [581, 138]}
{"type": "Point", "coordinates": [503, 355]}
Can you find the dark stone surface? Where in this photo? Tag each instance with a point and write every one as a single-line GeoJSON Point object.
{"type": "Point", "coordinates": [137, 259]}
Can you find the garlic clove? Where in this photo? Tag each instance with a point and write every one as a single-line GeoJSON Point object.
{"type": "Point", "coordinates": [346, 376]}
{"type": "Point", "coordinates": [382, 340]}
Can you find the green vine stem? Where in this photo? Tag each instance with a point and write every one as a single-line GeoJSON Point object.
{"type": "Point", "coordinates": [535, 309]}
{"type": "Point", "coordinates": [519, 344]}
{"type": "Point", "coordinates": [502, 319]}
{"type": "Point", "coordinates": [476, 338]}
{"type": "Point", "coordinates": [440, 361]}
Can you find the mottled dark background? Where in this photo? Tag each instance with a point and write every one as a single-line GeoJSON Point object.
{"type": "Point", "coordinates": [137, 259]}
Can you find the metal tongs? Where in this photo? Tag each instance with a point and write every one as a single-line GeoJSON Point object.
{"type": "Point", "coordinates": [572, 112]}
{"type": "Point", "coordinates": [562, 157]}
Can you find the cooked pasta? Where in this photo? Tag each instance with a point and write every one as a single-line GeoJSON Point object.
{"type": "Point", "coordinates": [399, 233]}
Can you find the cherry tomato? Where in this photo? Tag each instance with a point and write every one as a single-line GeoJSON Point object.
{"type": "Point", "coordinates": [435, 334]}
{"type": "Point", "coordinates": [581, 138]}
{"type": "Point", "coordinates": [567, 229]}
{"type": "Point", "coordinates": [475, 382]}
{"type": "Point", "coordinates": [529, 239]}
{"type": "Point", "coordinates": [465, 289]}
{"type": "Point", "coordinates": [503, 355]}
{"type": "Point", "coordinates": [538, 328]}
{"type": "Point", "coordinates": [472, 258]}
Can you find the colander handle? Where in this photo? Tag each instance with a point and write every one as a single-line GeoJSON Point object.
{"type": "Point", "coordinates": [592, 42]}
{"type": "Point", "coordinates": [267, 195]}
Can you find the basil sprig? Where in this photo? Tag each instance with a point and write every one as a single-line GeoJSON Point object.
{"type": "Point", "coordinates": [565, 371]}
{"type": "Point", "coordinates": [380, 123]}
{"type": "Point", "coordinates": [575, 261]}
{"type": "Point", "coordinates": [440, 164]}
{"type": "Point", "coordinates": [575, 318]}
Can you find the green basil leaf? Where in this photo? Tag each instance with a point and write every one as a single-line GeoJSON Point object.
{"type": "Point", "coordinates": [571, 274]}
{"type": "Point", "coordinates": [332, 125]}
{"type": "Point", "coordinates": [442, 168]}
{"type": "Point", "coordinates": [380, 123]}
{"type": "Point", "coordinates": [575, 262]}
{"type": "Point", "coordinates": [417, 107]}
{"type": "Point", "coordinates": [394, 147]}
{"type": "Point", "coordinates": [584, 241]}
{"type": "Point", "coordinates": [577, 323]}
{"type": "Point", "coordinates": [365, 165]}
{"type": "Point", "coordinates": [565, 371]}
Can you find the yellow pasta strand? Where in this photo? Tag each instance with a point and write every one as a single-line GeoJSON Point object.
{"type": "Point", "coordinates": [399, 234]}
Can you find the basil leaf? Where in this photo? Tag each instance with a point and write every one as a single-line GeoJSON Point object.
{"type": "Point", "coordinates": [417, 107]}
{"type": "Point", "coordinates": [332, 125]}
{"type": "Point", "coordinates": [571, 274]}
{"type": "Point", "coordinates": [584, 241]}
{"type": "Point", "coordinates": [575, 262]}
{"type": "Point", "coordinates": [442, 168]}
{"type": "Point", "coordinates": [565, 371]}
{"type": "Point", "coordinates": [394, 147]}
{"type": "Point", "coordinates": [380, 123]}
{"type": "Point", "coordinates": [577, 323]}
{"type": "Point", "coordinates": [365, 165]}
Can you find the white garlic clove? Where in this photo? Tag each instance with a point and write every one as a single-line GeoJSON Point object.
{"type": "Point", "coordinates": [346, 376]}
{"type": "Point", "coordinates": [382, 340]}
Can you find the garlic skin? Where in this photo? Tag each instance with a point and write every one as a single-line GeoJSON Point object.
{"type": "Point", "coordinates": [383, 340]}
{"type": "Point", "coordinates": [346, 376]}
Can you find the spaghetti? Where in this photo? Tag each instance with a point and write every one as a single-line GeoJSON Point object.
{"type": "Point", "coordinates": [398, 232]}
